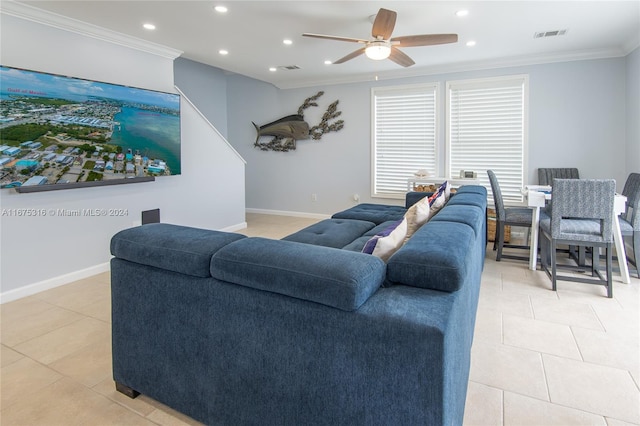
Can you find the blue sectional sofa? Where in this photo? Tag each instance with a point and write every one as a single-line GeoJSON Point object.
{"type": "Point", "coordinates": [306, 330]}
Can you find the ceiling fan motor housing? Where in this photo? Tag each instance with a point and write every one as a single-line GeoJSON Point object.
{"type": "Point", "coordinates": [378, 49]}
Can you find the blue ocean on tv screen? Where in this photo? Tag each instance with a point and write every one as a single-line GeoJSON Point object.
{"type": "Point", "coordinates": [153, 134]}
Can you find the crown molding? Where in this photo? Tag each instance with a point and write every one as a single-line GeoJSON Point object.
{"type": "Point", "coordinates": [34, 14]}
{"type": "Point", "coordinates": [495, 63]}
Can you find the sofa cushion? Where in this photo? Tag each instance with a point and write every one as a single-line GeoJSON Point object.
{"type": "Point", "coordinates": [376, 213]}
{"type": "Point", "coordinates": [471, 215]}
{"type": "Point", "coordinates": [387, 242]}
{"type": "Point", "coordinates": [334, 233]}
{"type": "Point", "coordinates": [469, 198]}
{"type": "Point", "coordinates": [475, 189]}
{"type": "Point", "coordinates": [337, 278]}
{"type": "Point", "coordinates": [436, 257]}
{"type": "Point", "coordinates": [357, 244]}
{"type": "Point", "coordinates": [175, 248]}
{"type": "Point", "coordinates": [379, 228]}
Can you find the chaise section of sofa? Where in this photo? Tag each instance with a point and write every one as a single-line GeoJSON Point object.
{"type": "Point", "coordinates": [235, 330]}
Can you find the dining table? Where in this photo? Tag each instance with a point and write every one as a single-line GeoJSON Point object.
{"type": "Point", "coordinates": [536, 197]}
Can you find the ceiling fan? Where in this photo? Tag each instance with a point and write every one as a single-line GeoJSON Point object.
{"type": "Point", "coordinates": [384, 46]}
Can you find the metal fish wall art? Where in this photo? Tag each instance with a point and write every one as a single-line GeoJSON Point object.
{"type": "Point", "coordinates": [291, 126]}
{"type": "Point", "coordinates": [287, 130]}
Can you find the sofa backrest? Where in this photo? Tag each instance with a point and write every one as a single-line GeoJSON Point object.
{"type": "Point", "coordinates": [175, 248]}
{"type": "Point", "coordinates": [337, 278]}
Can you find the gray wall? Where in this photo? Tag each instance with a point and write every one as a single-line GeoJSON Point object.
{"type": "Point", "coordinates": [633, 112]}
{"type": "Point", "coordinates": [206, 87]}
{"type": "Point", "coordinates": [579, 114]}
{"type": "Point", "coordinates": [41, 252]}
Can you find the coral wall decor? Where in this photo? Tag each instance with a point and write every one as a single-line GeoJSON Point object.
{"type": "Point", "coordinates": [287, 130]}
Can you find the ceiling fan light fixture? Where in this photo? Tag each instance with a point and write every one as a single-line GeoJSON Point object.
{"type": "Point", "coordinates": [378, 51]}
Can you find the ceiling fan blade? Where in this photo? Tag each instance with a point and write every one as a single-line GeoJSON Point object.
{"type": "Point", "coordinates": [424, 40]}
{"type": "Point", "coordinates": [330, 37]}
{"type": "Point", "coordinates": [400, 58]}
{"type": "Point", "coordinates": [383, 24]}
{"type": "Point", "coordinates": [350, 56]}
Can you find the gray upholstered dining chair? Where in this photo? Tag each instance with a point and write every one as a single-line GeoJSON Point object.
{"type": "Point", "coordinates": [512, 216]}
{"type": "Point", "coordinates": [547, 175]}
{"type": "Point", "coordinates": [582, 215]}
{"type": "Point", "coordinates": [630, 219]}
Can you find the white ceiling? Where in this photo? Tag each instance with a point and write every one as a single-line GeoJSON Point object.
{"type": "Point", "coordinates": [252, 32]}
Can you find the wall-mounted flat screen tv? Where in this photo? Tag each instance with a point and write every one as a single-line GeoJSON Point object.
{"type": "Point", "coordinates": [64, 130]}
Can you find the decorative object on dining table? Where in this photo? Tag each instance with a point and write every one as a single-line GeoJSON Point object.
{"type": "Point", "coordinates": [287, 130]}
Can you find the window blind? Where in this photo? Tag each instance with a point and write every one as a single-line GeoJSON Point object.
{"type": "Point", "coordinates": [404, 137]}
{"type": "Point", "coordinates": [487, 130]}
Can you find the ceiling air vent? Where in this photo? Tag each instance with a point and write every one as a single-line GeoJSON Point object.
{"type": "Point", "coordinates": [549, 33]}
{"type": "Point", "coordinates": [289, 67]}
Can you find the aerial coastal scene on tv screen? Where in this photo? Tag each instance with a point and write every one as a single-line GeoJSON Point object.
{"type": "Point", "coordinates": [56, 129]}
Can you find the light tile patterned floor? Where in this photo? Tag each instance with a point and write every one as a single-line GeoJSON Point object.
{"type": "Point", "coordinates": [539, 357]}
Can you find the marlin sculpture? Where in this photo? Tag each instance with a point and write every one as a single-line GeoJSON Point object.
{"type": "Point", "coordinates": [291, 127]}
{"type": "Point", "coordinates": [287, 130]}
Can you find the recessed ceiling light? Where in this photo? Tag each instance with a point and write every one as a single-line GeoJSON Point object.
{"type": "Point", "coordinates": [287, 41]}
{"type": "Point", "coordinates": [273, 69]}
{"type": "Point", "coordinates": [221, 9]}
{"type": "Point", "coordinates": [328, 62]}
{"type": "Point", "coordinates": [149, 27]}
{"type": "Point", "coordinates": [471, 43]}
{"type": "Point", "coordinates": [461, 13]}
{"type": "Point", "coordinates": [223, 52]}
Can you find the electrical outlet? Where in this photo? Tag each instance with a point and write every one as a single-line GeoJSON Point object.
{"type": "Point", "coordinates": [356, 197]}
{"type": "Point", "coordinates": [314, 197]}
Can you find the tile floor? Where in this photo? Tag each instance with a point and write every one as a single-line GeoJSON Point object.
{"type": "Point", "coordinates": [539, 357]}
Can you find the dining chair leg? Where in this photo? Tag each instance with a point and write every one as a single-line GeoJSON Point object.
{"type": "Point", "coordinates": [495, 238]}
{"type": "Point", "coordinates": [554, 269]}
{"type": "Point", "coordinates": [609, 271]}
{"type": "Point", "coordinates": [636, 251]}
{"type": "Point", "coordinates": [499, 239]}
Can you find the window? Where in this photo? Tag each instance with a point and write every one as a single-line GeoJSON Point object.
{"type": "Point", "coordinates": [486, 129]}
{"type": "Point", "coordinates": [404, 137]}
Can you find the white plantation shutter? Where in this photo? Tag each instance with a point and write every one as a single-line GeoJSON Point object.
{"type": "Point", "coordinates": [487, 130]}
{"type": "Point", "coordinates": [404, 137]}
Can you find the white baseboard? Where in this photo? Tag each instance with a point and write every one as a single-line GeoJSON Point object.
{"type": "Point", "coordinates": [30, 289]}
{"type": "Point", "coordinates": [234, 228]}
{"type": "Point", "coordinates": [288, 213]}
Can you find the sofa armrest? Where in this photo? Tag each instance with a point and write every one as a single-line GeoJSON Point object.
{"type": "Point", "coordinates": [337, 278]}
{"type": "Point", "coordinates": [438, 257]}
